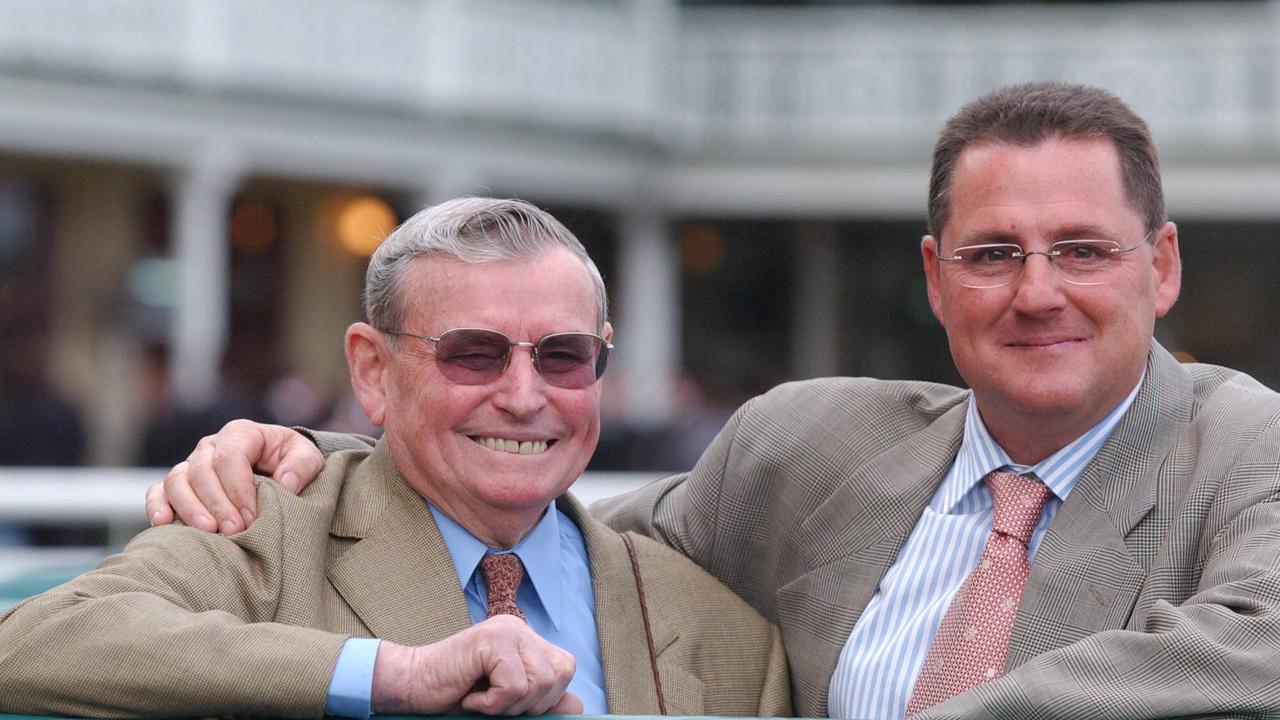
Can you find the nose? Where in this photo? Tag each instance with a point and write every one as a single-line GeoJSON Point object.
{"type": "Point", "coordinates": [520, 391]}
{"type": "Point", "coordinates": [1039, 289]}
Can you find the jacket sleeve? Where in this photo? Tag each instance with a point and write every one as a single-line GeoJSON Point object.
{"type": "Point", "coordinates": [775, 695]}
{"type": "Point", "coordinates": [178, 624]}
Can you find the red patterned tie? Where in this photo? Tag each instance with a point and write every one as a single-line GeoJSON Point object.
{"type": "Point", "coordinates": [502, 573]}
{"type": "Point", "coordinates": [973, 638]}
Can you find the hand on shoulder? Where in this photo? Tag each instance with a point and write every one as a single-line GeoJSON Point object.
{"type": "Point", "coordinates": [213, 489]}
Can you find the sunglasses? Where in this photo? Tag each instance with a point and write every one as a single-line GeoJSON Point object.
{"type": "Point", "coordinates": [474, 356]}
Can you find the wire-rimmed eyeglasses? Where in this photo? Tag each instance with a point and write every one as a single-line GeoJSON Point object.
{"type": "Point", "coordinates": [1079, 262]}
{"type": "Point", "coordinates": [475, 356]}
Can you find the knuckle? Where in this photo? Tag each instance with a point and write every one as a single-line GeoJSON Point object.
{"type": "Point", "coordinates": [174, 481]}
{"type": "Point", "coordinates": [506, 623]}
{"type": "Point", "coordinates": [200, 459]}
{"type": "Point", "coordinates": [175, 472]}
{"type": "Point", "coordinates": [561, 666]}
{"type": "Point", "coordinates": [222, 453]}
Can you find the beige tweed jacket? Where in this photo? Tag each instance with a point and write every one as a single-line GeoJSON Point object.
{"type": "Point", "coordinates": [187, 623]}
{"type": "Point", "coordinates": [1155, 593]}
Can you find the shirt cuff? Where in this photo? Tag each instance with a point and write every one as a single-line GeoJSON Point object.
{"type": "Point", "coordinates": [351, 687]}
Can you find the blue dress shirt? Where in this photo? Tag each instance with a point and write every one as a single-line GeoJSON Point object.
{"type": "Point", "coordinates": [556, 597]}
{"type": "Point", "coordinates": [880, 661]}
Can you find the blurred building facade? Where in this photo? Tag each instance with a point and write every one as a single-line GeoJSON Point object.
{"type": "Point", "coordinates": [188, 190]}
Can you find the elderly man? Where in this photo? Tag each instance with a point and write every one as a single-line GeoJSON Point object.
{"type": "Point", "coordinates": [487, 335]}
{"type": "Point", "coordinates": [1090, 531]}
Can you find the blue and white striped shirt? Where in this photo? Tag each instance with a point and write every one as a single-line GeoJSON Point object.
{"type": "Point", "coordinates": [883, 655]}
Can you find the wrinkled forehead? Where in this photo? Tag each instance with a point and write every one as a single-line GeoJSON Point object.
{"type": "Point", "coordinates": [551, 289]}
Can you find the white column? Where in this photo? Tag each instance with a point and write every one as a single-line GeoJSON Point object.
{"type": "Point", "coordinates": [815, 344]}
{"type": "Point", "coordinates": [448, 182]}
{"type": "Point", "coordinates": [647, 322]}
{"type": "Point", "coordinates": [655, 30]}
{"type": "Point", "coordinates": [445, 31]}
{"type": "Point", "coordinates": [199, 326]}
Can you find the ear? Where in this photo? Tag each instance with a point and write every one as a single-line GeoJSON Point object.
{"type": "Point", "coordinates": [607, 332]}
{"type": "Point", "coordinates": [1167, 268]}
{"type": "Point", "coordinates": [932, 274]}
{"type": "Point", "coordinates": [368, 358]}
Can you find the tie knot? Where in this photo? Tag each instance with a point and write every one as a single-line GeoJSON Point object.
{"type": "Point", "coordinates": [502, 574]}
{"type": "Point", "coordinates": [1019, 500]}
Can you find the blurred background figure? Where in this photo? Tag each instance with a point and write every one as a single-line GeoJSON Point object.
{"type": "Point", "coordinates": [189, 191]}
{"type": "Point", "coordinates": [38, 426]}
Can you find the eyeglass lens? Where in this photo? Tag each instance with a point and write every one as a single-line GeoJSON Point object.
{"type": "Point", "coordinates": [567, 360]}
{"type": "Point", "coordinates": [1084, 262]}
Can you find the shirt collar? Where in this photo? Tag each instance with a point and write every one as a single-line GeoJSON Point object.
{"type": "Point", "coordinates": [980, 454]}
{"type": "Point", "coordinates": [539, 551]}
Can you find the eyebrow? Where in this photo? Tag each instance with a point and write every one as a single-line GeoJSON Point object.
{"type": "Point", "coordinates": [1067, 232]}
{"type": "Point", "coordinates": [1076, 232]}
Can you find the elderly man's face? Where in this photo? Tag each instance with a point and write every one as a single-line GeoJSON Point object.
{"type": "Point", "coordinates": [442, 434]}
{"type": "Point", "coordinates": [1042, 354]}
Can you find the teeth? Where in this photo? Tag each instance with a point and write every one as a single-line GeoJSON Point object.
{"type": "Point", "coordinates": [515, 447]}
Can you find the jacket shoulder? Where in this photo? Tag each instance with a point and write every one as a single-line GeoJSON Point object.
{"type": "Point", "coordinates": [864, 400]}
{"type": "Point", "coordinates": [1235, 418]}
{"type": "Point", "coordinates": [344, 498]}
{"type": "Point", "coordinates": [1219, 390]}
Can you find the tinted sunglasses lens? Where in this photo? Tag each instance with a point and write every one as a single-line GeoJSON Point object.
{"type": "Point", "coordinates": [472, 357]}
{"type": "Point", "coordinates": [571, 360]}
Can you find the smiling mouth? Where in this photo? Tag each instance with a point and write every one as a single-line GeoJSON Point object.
{"type": "Point", "coordinates": [514, 447]}
{"type": "Point", "coordinates": [1045, 343]}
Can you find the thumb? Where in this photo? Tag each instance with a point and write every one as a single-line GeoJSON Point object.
{"type": "Point", "coordinates": [569, 704]}
{"type": "Point", "coordinates": [288, 456]}
{"type": "Point", "coordinates": [299, 464]}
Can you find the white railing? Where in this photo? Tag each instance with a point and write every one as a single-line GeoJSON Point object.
{"type": "Point", "coordinates": [571, 63]}
{"type": "Point", "coordinates": [1200, 73]}
{"type": "Point", "coordinates": [114, 496]}
{"type": "Point", "coordinates": [868, 80]}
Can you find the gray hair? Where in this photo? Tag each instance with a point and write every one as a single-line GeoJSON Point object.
{"type": "Point", "coordinates": [471, 230]}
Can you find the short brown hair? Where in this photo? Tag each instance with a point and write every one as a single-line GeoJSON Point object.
{"type": "Point", "coordinates": [1031, 113]}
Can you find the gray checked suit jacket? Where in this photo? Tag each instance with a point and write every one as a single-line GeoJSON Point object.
{"type": "Point", "coordinates": [1155, 593]}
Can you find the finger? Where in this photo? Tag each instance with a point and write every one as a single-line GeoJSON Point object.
{"type": "Point", "coordinates": [238, 448]}
{"type": "Point", "coordinates": [298, 461]}
{"type": "Point", "coordinates": [159, 512]}
{"type": "Point", "coordinates": [508, 684]}
{"type": "Point", "coordinates": [569, 704]}
{"type": "Point", "coordinates": [549, 678]}
{"type": "Point", "coordinates": [548, 670]}
{"type": "Point", "coordinates": [178, 494]}
{"type": "Point", "coordinates": [206, 485]}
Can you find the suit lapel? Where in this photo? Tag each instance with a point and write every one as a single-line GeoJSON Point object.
{"type": "Point", "coordinates": [849, 543]}
{"type": "Point", "coordinates": [1090, 567]}
{"type": "Point", "coordinates": [398, 578]}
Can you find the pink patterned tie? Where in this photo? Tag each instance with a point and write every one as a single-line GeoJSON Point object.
{"type": "Point", "coordinates": [502, 573]}
{"type": "Point", "coordinates": [973, 638]}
